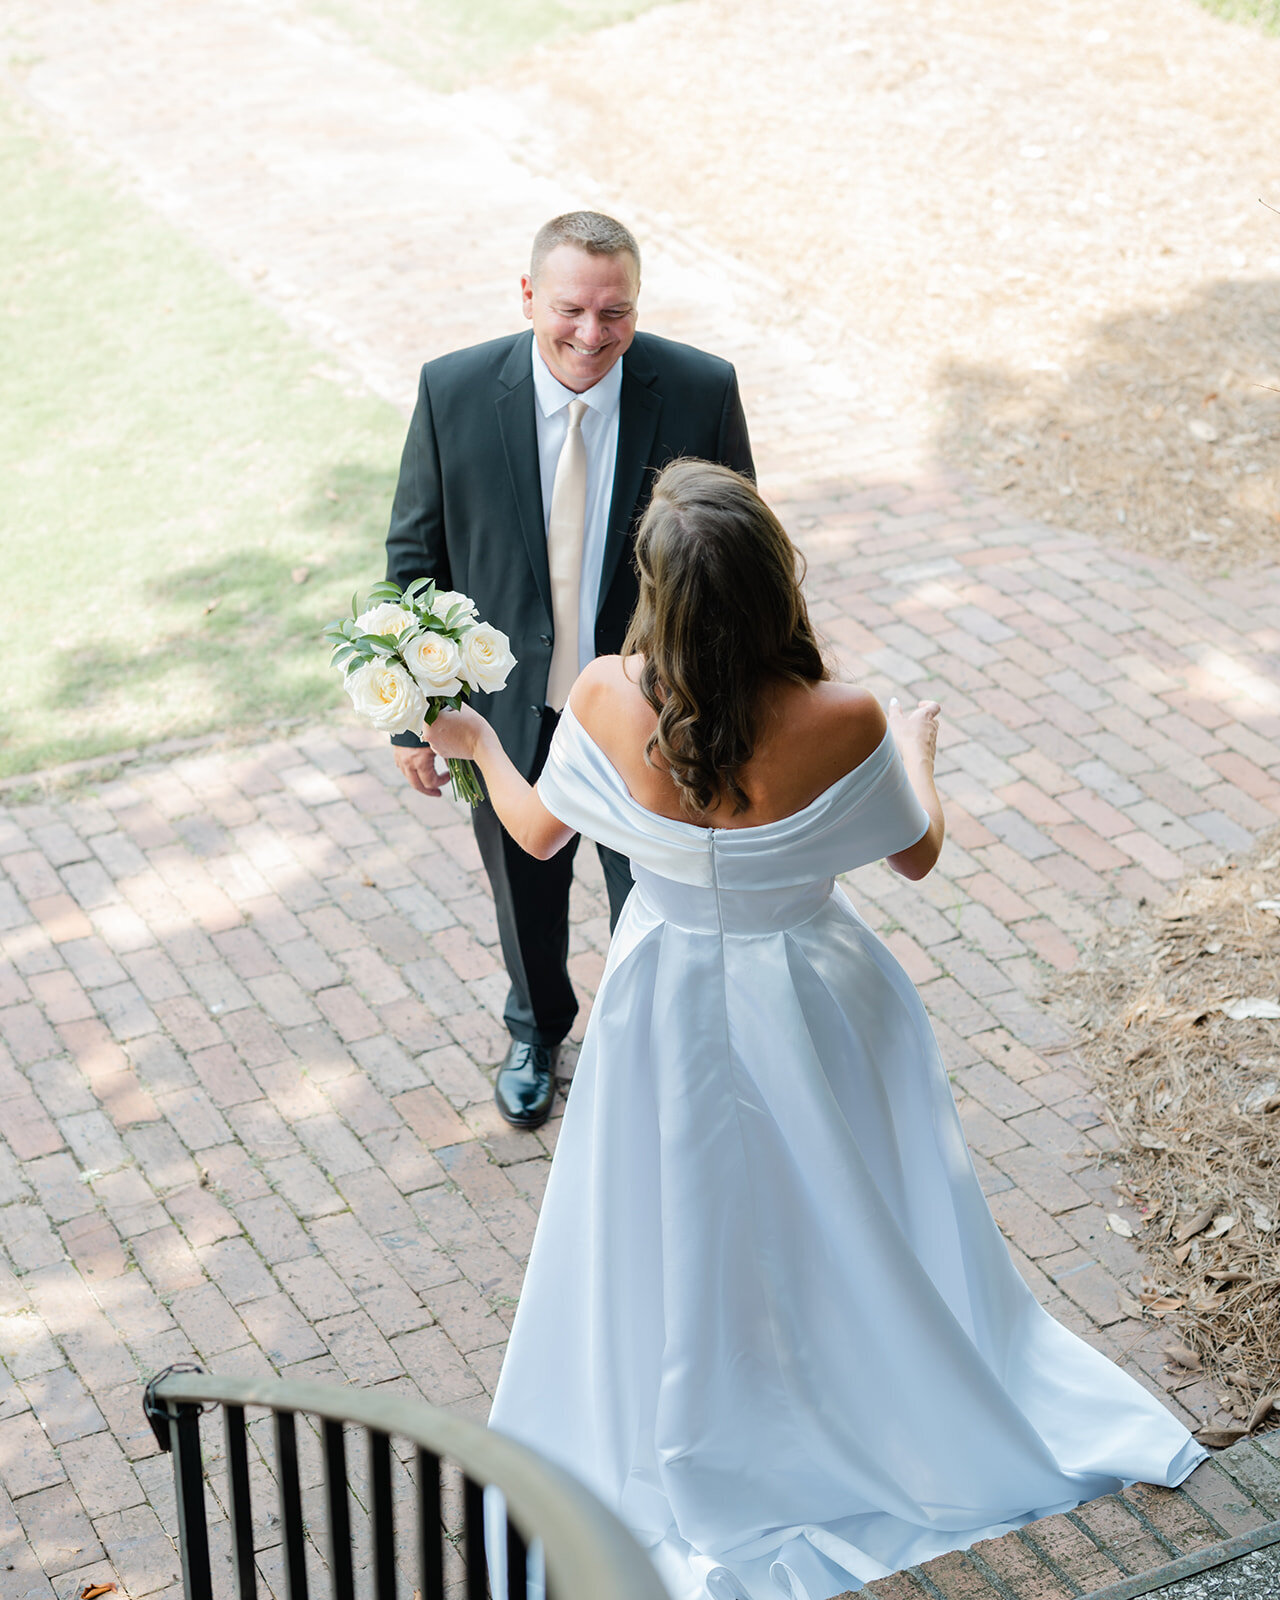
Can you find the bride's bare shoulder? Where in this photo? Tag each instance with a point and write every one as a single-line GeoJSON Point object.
{"type": "Point", "coordinates": [607, 690]}
{"type": "Point", "coordinates": [849, 720]}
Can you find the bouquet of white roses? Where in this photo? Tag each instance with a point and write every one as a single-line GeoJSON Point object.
{"type": "Point", "coordinates": [411, 652]}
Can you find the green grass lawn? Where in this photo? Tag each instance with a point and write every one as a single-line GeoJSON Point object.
{"type": "Point", "coordinates": [1264, 12]}
{"type": "Point", "coordinates": [447, 43]}
{"type": "Point", "coordinates": [172, 456]}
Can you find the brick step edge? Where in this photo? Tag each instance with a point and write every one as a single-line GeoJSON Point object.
{"type": "Point", "coordinates": [1101, 1550]}
{"type": "Point", "coordinates": [1189, 1566]}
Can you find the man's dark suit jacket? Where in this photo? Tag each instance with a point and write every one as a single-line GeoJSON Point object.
{"type": "Point", "coordinates": [468, 506]}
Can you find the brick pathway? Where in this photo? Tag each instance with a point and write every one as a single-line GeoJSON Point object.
{"type": "Point", "coordinates": [248, 995]}
{"type": "Point", "coordinates": [1095, 1548]}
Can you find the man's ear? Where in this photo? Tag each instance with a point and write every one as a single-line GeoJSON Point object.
{"type": "Point", "coordinates": [526, 295]}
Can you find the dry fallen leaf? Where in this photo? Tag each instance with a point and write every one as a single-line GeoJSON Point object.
{"type": "Point", "coordinates": [1220, 1438]}
{"type": "Point", "coordinates": [212, 605]}
{"type": "Point", "coordinates": [1182, 1354]}
{"type": "Point", "coordinates": [1254, 1005]}
{"type": "Point", "coordinates": [1119, 1225]}
{"type": "Point", "coordinates": [1262, 1411]}
{"type": "Point", "coordinates": [1221, 1224]}
{"type": "Point", "coordinates": [92, 1591]}
{"type": "Point", "coordinates": [1194, 1225]}
{"type": "Point", "coordinates": [1129, 1307]}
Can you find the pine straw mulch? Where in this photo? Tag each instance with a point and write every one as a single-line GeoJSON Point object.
{"type": "Point", "coordinates": [1180, 1024]}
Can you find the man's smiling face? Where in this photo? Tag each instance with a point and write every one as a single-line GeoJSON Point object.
{"type": "Point", "coordinates": [583, 310]}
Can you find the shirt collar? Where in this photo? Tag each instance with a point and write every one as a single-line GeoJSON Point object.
{"type": "Point", "coordinates": [553, 396]}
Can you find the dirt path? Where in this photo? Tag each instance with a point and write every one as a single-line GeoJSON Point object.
{"type": "Point", "coordinates": [1023, 239]}
{"type": "Point", "coordinates": [1035, 226]}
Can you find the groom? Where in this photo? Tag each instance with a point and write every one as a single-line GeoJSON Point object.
{"type": "Point", "coordinates": [528, 464]}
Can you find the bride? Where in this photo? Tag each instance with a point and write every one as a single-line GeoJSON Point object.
{"type": "Point", "coordinates": [768, 1317]}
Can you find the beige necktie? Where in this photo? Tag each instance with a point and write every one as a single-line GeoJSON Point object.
{"type": "Point", "coordinates": [564, 555]}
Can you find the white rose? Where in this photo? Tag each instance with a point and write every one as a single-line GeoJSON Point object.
{"type": "Point", "coordinates": [387, 695]}
{"type": "Point", "coordinates": [434, 662]}
{"type": "Point", "coordinates": [486, 658]}
{"type": "Point", "coordinates": [385, 619]}
{"type": "Point", "coordinates": [445, 601]}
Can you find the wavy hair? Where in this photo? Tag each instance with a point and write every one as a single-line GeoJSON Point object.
{"type": "Point", "coordinates": [720, 617]}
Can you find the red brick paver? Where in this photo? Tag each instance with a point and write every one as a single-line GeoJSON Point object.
{"type": "Point", "coordinates": [1111, 1539]}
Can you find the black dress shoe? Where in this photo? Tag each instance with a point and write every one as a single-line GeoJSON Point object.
{"type": "Point", "coordinates": [526, 1086]}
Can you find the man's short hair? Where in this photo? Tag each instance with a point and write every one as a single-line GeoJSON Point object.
{"type": "Point", "coordinates": [591, 231]}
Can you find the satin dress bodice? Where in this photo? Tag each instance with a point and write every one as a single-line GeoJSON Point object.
{"type": "Point", "coordinates": [869, 813]}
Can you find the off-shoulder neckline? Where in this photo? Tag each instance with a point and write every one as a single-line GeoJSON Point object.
{"type": "Point", "coordinates": [699, 828]}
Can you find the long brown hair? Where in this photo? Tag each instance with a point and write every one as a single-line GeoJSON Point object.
{"type": "Point", "coordinates": [720, 616]}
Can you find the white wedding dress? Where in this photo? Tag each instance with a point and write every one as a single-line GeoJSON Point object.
{"type": "Point", "coordinates": [768, 1317]}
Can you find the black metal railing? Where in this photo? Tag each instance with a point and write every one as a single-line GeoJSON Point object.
{"type": "Point", "coordinates": [586, 1553]}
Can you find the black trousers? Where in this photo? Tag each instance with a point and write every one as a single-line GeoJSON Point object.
{"type": "Point", "coordinates": [532, 902]}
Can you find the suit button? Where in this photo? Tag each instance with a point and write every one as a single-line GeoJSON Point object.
{"type": "Point", "coordinates": [545, 638]}
{"type": "Point", "coordinates": [537, 710]}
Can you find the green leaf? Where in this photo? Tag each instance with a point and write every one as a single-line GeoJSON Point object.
{"type": "Point", "coordinates": [425, 598]}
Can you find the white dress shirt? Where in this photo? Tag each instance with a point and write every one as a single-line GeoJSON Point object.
{"type": "Point", "coordinates": [600, 436]}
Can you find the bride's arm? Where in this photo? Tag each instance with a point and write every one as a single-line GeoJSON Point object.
{"type": "Point", "coordinates": [916, 735]}
{"type": "Point", "coordinates": [465, 736]}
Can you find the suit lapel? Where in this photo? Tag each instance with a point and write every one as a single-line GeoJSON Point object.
{"type": "Point", "coordinates": [519, 431]}
{"type": "Point", "coordinates": [639, 406]}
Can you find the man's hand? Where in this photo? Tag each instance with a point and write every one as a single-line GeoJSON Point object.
{"type": "Point", "coordinates": [419, 767]}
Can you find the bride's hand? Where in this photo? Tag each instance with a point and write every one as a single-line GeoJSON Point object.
{"type": "Point", "coordinates": [916, 731]}
{"type": "Point", "coordinates": [456, 735]}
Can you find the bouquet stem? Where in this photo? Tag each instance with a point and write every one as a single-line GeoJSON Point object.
{"type": "Point", "coordinates": [466, 786]}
